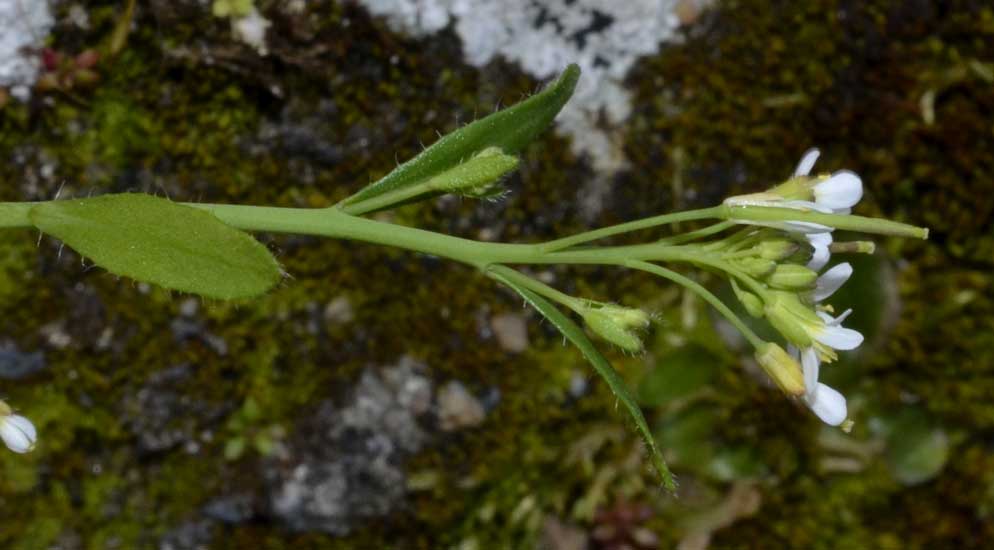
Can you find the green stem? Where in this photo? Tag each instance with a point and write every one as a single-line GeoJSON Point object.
{"type": "Point", "coordinates": [732, 241]}
{"type": "Point", "coordinates": [535, 286]}
{"type": "Point", "coordinates": [838, 221]}
{"type": "Point", "coordinates": [645, 223]}
{"type": "Point", "coordinates": [698, 234]}
{"type": "Point", "coordinates": [332, 222]}
{"type": "Point", "coordinates": [704, 293]}
{"type": "Point", "coordinates": [391, 198]}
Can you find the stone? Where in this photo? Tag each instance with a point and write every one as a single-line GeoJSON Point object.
{"type": "Point", "coordinates": [349, 468]}
{"type": "Point", "coordinates": [511, 330]}
{"type": "Point", "coordinates": [458, 408]}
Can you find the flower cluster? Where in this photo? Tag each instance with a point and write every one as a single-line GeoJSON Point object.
{"type": "Point", "coordinates": [791, 294]}
{"type": "Point", "coordinates": [775, 249]}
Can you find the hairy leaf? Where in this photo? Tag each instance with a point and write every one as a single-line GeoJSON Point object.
{"type": "Point", "coordinates": [509, 130]}
{"type": "Point", "coordinates": [575, 334]}
{"type": "Point", "coordinates": [158, 241]}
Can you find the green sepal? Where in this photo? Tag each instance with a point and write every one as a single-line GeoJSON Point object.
{"type": "Point", "coordinates": [158, 241]}
{"type": "Point", "coordinates": [509, 130]}
{"type": "Point", "coordinates": [575, 334]}
{"type": "Point", "coordinates": [792, 277]}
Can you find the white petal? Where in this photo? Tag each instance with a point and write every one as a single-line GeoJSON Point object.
{"type": "Point", "coordinates": [831, 280]}
{"type": "Point", "coordinates": [821, 255]}
{"type": "Point", "coordinates": [810, 364]}
{"type": "Point", "coordinates": [807, 162]}
{"type": "Point", "coordinates": [820, 239]}
{"type": "Point", "coordinates": [18, 433]}
{"type": "Point", "coordinates": [842, 190]}
{"type": "Point", "coordinates": [841, 338]}
{"type": "Point", "coordinates": [828, 404]}
{"type": "Point", "coordinates": [802, 227]}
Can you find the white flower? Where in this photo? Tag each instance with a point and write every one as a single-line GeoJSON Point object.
{"type": "Point", "coordinates": [834, 335]}
{"type": "Point", "coordinates": [840, 192]}
{"type": "Point", "coordinates": [18, 433]}
{"type": "Point", "coordinates": [837, 195]}
{"type": "Point", "coordinates": [831, 280]}
{"type": "Point", "coordinates": [825, 401]}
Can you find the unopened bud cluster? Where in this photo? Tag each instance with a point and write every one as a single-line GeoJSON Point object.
{"type": "Point", "coordinates": [617, 324]}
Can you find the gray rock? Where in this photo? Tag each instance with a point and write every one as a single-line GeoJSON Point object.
{"type": "Point", "coordinates": [192, 535]}
{"type": "Point", "coordinates": [16, 364]}
{"type": "Point", "coordinates": [162, 414]}
{"type": "Point", "coordinates": [231, 509]}
{"type": "Point", "coordinates": [349, 469]}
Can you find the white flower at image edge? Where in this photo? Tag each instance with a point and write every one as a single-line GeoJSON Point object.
{"type": "Point", "coordinates": [18, 433]}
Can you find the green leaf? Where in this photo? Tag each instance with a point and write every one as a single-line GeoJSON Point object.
{"type": "Point", "coordinates": [509, 130]}
{"type": "Point", "coordinates": [575, 334]}
{"type": "Point", "coordinates": [917, 449]}
{"type": "Point", "coordinates": [688, 435]}
{"type": "Point", "coordinates": [158, 241]}
{"type": "Point", "coordinates": [678, 374]}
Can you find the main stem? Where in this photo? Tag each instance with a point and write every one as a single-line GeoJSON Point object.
{"type": "Point", "coordinates": [330, 222]}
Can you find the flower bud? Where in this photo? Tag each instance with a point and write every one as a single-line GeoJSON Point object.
{"type": "Point", "coordinates": [757, 267]}
{"type": "Point", "coordinates": [616, 325]}
{"type": "Point", "coordinates": [788, 316]}
{"type": "Point", "coordinates": [478, 177]}
{"type": "Point", "coordinates": [781, 367]}
{"type": "Point", "coordinates": [629, 317]}
{"type": "Point", "coordinates": [752, 303]}
{"type": "Point", "coordinates": [792, 277]}
{"type": "Point", "coordinates": [777, 249]}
